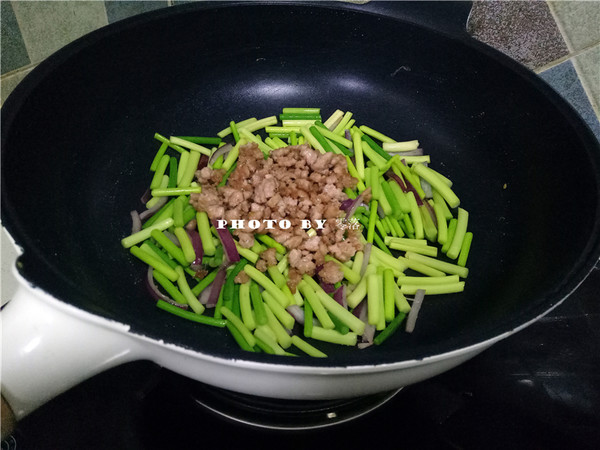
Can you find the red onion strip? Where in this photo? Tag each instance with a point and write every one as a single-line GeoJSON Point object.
{"type": "Point", "coordinates": [224, 150]}
{"type": "Point", "coordinates": [215, 287]}
{"type": "Point", "coordinates": [150, 211]}
{"type": "Point", "coordinates": [297, 313]}
{"type": "Point", "coordinates": [411, 320]}
{"type": "Point", "coordinates": [228, 243]}
{"type": "Point", "coordinates": [397, 179]}
{"type": "Point", "coordinates": [197, 245]}
{"type": "Point", "coordinates": [155, 292]}
{"type": "Point", "coordinates": [136, 222]}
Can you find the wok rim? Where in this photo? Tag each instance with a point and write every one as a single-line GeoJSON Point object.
{"type": "Point", "coordinates": [591, 147]}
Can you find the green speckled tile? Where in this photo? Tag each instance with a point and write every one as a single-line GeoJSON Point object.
{"type": "Point", "coordinates": [9, 83]}
{"type": "Point", "coordinates": [588, 66]}
{"type": "Point", "coordinates": [524, 30]}
{"type": "Point", "coordinates": [580, 22]}
{"type": "Point", "coordinates": [118, 10]}
{"type": "Point", "coordinates": [49, 25]}
{"type": "Point", "coordinates": [13, 51]}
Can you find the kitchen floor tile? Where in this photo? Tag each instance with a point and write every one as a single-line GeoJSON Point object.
{"type": "Point", "coordinates": [123, 9]}
{"type": "Point", "coordinates": [13, 52]}
{"type": "Point", "coordinates": [563, 78]}
{"type": "Point", "coordinates": [580, 21]}
{"type": "Point", "coordinates": [525, 31]}
{"type": "Point", "coordinates": [47, 26]}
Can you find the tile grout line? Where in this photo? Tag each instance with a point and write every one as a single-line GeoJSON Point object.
{"type": "Point", "coordinates": [14, 72]}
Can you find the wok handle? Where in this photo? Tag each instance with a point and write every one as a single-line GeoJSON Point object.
{"type": "Point", "coordinates": [49, 347]}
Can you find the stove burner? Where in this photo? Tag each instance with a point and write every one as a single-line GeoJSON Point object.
{"type": "Point", "coordinates": [278, 414]}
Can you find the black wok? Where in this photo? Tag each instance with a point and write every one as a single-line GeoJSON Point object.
{"type": "Point", "coordinates": [77, 138]}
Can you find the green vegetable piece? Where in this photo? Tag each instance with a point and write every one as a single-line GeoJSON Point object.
{"type": "Point", "coordinates": [155, 262]}
{"type": "Point", "coordinates": [307, 348]}
{"type": "Point", "coordinates": [184, 288]}
{"type": "Point", "coordinates": [202, 140]}
{"type": "Point", "coordinates": [390, 329]}
{"type": "Point", "coordinates": [375, 134]}
{"type": "Point", "coordinates": [204, 283]}
{"type": "Point", "coordinates": [464, 249]}
{"type": "Point", "coordinates": [389, 288]}
{"type": "Point", "coordinates": [239, 338]}
{"type": "Point", "coordinates": [190, 145]}
{"type": "Point", "coordinates": [189, 170]}
{"type": "Point", "coordinates": [434, 289]}
{"type": "Point", "coordinates": [144, 234]}
{"type": "Point", "coordinates": [381, 152]}
{"type": "Point", "coordinates": [333, 336]}
{"type": "Point", "coordinates": [239, 325]}
{"type": "Point", "coordinates": [246, 306]}
{"type": "Point", "coordinates": [186, 245]}
{"type": "Point", "coordinates": [451, 230]}
{"type": "Point", "coordinates": [234, 131]}
{"type": "Point", "coordinates": [190, 315]}
{"type": "Point", "coordinates": [159, 154]}
{"type": "Point", "coordinates": [308, 319]}
{"type": "Point", "coordinates": [169, 247]}
{"type": "Point", "coordinates": [437, 183]}
{"type": "Point", "coordinates": [281, 334]}
{"type": "Point", "coordinates": [172, 172]}
{"type": "Point", "coordinates": [267, 284]}
{"type": "Point", "coordinates": [459, 234]}
{"type": "Point", "coordinates": [373, 294]}
{"type": "Point", "coordinates": [270, 242]}
{"type": "Point", "coordinates": [372, 219]}
{"type": "Point", "coordinates": [282, 315]}
{"type": "Point", "coordinates": [442, 266]}
{"type": "Point", "coordinates": [176, 191]}
{"type": "Point", "coordinates": [319, 137]}
{"type": "Point", "coordinates": [160, 171]}
{"type": "Point", "coordinates": [203, 225]}
{"type": "Point", "coordinates": [169, 287]}
{"type": "Point", "coordinates": [318, 309]}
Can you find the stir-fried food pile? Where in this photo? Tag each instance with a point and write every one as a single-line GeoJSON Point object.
{"type": "Point", "coordinates": [292, 231]}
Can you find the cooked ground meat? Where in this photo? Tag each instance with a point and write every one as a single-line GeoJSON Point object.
{"type": "Point", "coordinates": [295, 183]}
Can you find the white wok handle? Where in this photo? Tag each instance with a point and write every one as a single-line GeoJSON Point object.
{"type": "Point", "coordinates": [49, 347]}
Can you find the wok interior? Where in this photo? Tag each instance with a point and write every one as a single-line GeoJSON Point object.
{"type": "Point", "coordinates": [78, 140]}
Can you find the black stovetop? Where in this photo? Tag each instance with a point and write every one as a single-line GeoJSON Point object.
{"type": "Point", "coordinates": [538, 389]}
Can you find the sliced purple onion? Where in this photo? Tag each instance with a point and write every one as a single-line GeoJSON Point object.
{"type": "Point", "coordinates": [197, 245]}
{"type": "Point", "coordinates": [346, 204]}
{"type": "Point", "coordinates": [151, 211]}
{"type": "Point", "coordinates": [340, 296]}
{"type": "Point", "coordinates": [347, 134]}
{"type": "Point", "coordinates": [327, 287]}
{"type": "Point", "coordinates": [416, 152]}
{"type": "Point", "coordinates": [224, 150]}
{"type": "Point", "coordinates": [397, 179]}
{"type": "Point", "coordinates": [202, 162]}
{"type": "Point", "coordinates": [360, 311]}
{"type": "Point", "coordinates": [205, 295]}
{"type": "Point", "coordinates": [411, 320]}
{"type": "Point", "coordinates": [366, 258]}
{"type": "Point", "coordinates": [215, 287]}
{"type": "Point", "coordinates": [431, 212]}
{"type": "Point", "coordinates": [368, 334]}
{"type": "Point", "coordinates": [155, 292]}
{"type": "Point", "coordinates": [297, 313]}
{"type": "Point", "coordinates": [146, 196]}
{"type": "Point", "coordinates": [136, 222]}
{"type": "Point", "coordinates": [355, 204]}
{"type": "Point", "coordinates": [228, 243]}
